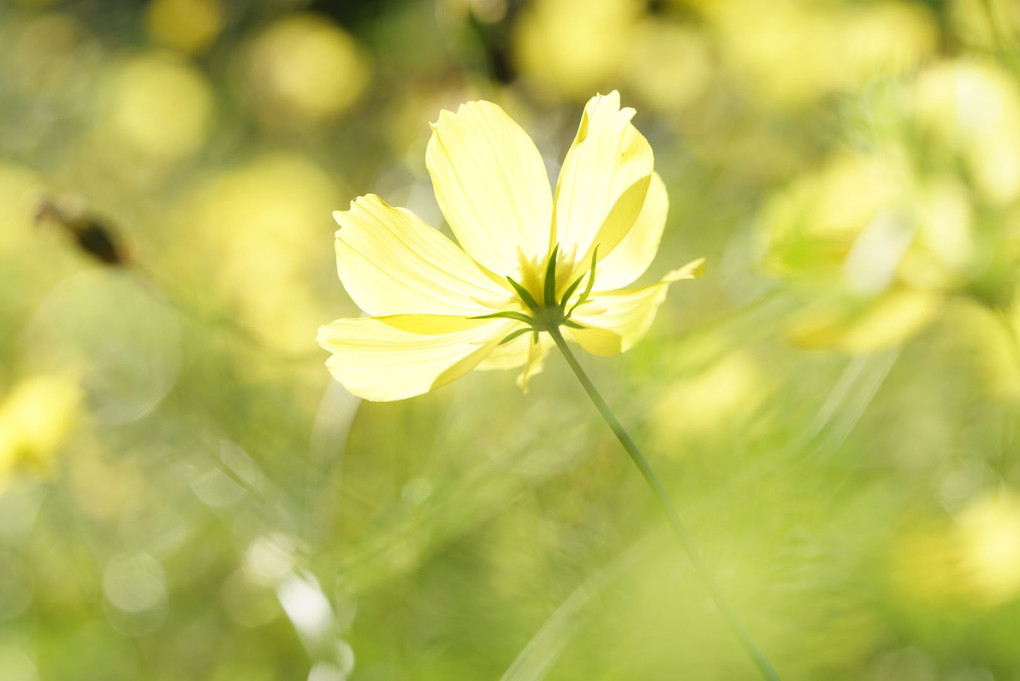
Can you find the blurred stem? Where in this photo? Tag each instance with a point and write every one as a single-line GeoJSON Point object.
{"type": "Point", "coordinates": [766, 668]}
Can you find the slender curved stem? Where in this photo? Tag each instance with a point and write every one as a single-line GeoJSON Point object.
{"type": "Point", "coordinates": [766, 668]}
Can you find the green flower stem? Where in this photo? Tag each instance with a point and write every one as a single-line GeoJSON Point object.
{"type": "Point", "coordinates": [766, 668]}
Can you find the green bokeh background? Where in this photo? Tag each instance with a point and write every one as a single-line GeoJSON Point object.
{"type": "Point", "coordinates": [185, 494]}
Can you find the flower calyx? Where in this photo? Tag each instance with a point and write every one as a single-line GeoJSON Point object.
{"type": "Point", "coordinates": [553, 311]}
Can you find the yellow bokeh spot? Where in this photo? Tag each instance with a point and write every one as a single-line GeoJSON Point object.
{"type": "Point", "coordinates": [989, 538]}
{"type": "Point", "coordinates": [307, 66]}
{"type": "Point", "coordinates": [572, 47]}
{"type": "Point", "coordinates": [159, 107]}
{"type": "Point", "coordinates": [988, 338]}
{"type": "Point", "coordinates": [669, 65]}
{"type": "Point", "coordinates": [35, 418]}
{"type": "Point", "coordinates": [265, 222]}
{"type": "Point", "coordinates": [710, 401]}
{"type": "Point", "coordinates": [186, 25]}
{"type": "Point", "coordinates": [972, 559]}
{"type": "Point", "coordinates": [886, 38]}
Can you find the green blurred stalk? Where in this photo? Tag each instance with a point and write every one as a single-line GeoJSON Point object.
{"type": "Point", "coordinates": [766, 668]}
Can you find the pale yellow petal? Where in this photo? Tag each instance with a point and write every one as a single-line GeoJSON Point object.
{"type": "Point", "coordinates": [391, 263]}
{"type": "Point", "coordinates": [614, 321]}
{"type": "Point", "coordinates": [635, 252]}
{"type": "Point", "coordinates": [521, 351]}
{"type": "Point", "coordinates": [603, 182]}
{"type": "Point", "coordinates": [508, 355]}
{"type": "Point", "coordinates": [392, 358]}
{"type": "Point", "coordinates": [691, 270]}
{"type": "Point", "coordinates": [535, 362]}
{"type": "Point", "coordinates": [490, 182]}
{"type": "Point", "coordinates": [601, 342]}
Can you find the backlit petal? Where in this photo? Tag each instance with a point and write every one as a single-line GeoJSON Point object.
{"type": "Point", "coordinates": [508, 355]}
{"type": "Point", "coordinates": [391, 263]}
{"type": "Point", "coordinates": [521, 351]}
{"type": "Point", "coordinates": [392, 358]}
{"type": "Point", "coordinates": [603, 182]}
{"type": "Point", "coordinates": [490, 182]}
{"type": "Point", "coordinates": [637, 249]}
{"type": "Point", "coordinates": [691, 270]}
{"type": "Point", "coordinates": [535, 362]}
{"type": "Point", "coordinates": [614, 321]}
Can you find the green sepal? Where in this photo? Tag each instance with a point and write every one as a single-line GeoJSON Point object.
{"type": "Point", "coordinates": [549, 288]}
{"type": "Point", "coordinates": [570, 290]}
{"type": "Point", "coordinates": [572, 324]}
{"type": "Point", "coordinates": [517, 316]}
{"type": "Point", "coordinates": [591, 282]}
{"type": "Point", "coordinates": [514, 334]}
{"type": "Point", "coordinates": [528, 299]}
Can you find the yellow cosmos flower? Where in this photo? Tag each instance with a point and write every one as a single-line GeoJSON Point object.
{"type": "Point", "coordinates": [529, 261]}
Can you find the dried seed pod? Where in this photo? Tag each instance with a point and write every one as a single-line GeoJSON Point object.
{"type": "Point", "coordinates": [92, 234]}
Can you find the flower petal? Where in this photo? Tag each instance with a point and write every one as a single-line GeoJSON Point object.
{"type": "Point", "coordinates": [691, 270]}
{"type": "Point", "coordinates": [637, 249]}
{"type": "Point", "coordinates": [603, 182]}
{"type": "Point", "coordinates": [490, 182]}
{"type": "Point", "coordinates": [391, 263]}
{"type": "Point", "coordinates": [614, 321]}
{"type": "Point", "coordinates": [392, 358]}
{"type": "Point", "coordinates": [521, 351]}
{"type": "Point", "coordinates": [509, 355]}
{"type": "Point", "coordinates": [534, 363]}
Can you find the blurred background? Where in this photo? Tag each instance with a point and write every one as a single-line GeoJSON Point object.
{"type": "Point", "coordinates": [184, 494]}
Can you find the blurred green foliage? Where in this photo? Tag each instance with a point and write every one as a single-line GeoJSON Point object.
{"type": "Point", "coordinates": [185, 494]}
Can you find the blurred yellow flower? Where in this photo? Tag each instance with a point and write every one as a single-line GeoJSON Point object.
{"type": "Point", "coordinates": [865, 325]}
{"type": "Point", "coordinates": [973, 107]}
{"type": "Point", "coordinates": [530, 262]}
{"type": "Point", "coordinates": [884, 235]}
{"type": "Point", "coordinates": [989, 530]}
{"type": "Point", "coordinates": [35, 418]}
{"type": "Point", "coordinates": [974, 558]}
